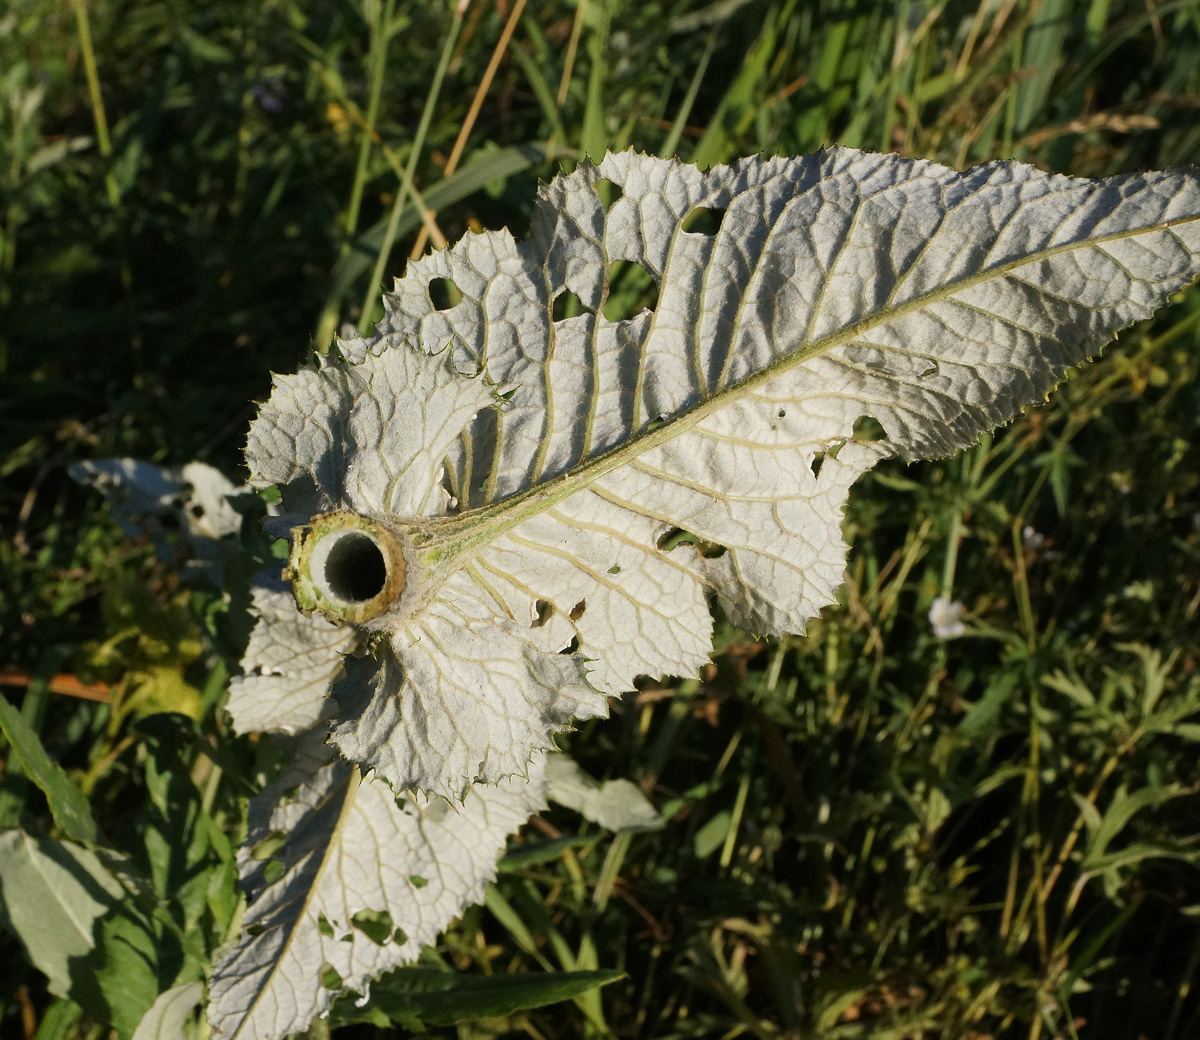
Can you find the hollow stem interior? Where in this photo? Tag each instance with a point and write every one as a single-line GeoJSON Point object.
{"type": "Point", "coordinates": [355, 569]}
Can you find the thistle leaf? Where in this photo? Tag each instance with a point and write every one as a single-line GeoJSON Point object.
{"type": "Point", "coordinates": [361, 882]}
{"type": "Point", "coordinates": [584, 483]}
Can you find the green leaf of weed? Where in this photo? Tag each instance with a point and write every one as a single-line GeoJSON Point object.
{"type": "Point", "coordinates": [68, 805]}
{"type": "Point", "coordinates": [440, 998]}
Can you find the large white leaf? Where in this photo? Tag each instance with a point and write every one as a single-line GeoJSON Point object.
{"type": "Point", "coordinates": [528, 521]}
{"type": "Point", "coordinates": [361, 882]}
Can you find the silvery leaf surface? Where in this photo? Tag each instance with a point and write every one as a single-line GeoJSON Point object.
{"type": "Point", "coordinates": [535, 464]}
{"type": "Point", "coordinates": [362, 881]}
{"type": "Point", "coordinates": [618, 805]}
{"type": "Point", "coordinates": [289, 664]}
{"type": "Point", "coordinates": [185, 511]}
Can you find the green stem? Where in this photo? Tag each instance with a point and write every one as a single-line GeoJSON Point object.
{"type": "Point", "coordinates": [381, 36]}
{"type": "Point", "coordinates": [405, 192]}
{"type": "Point", "coordinates": [104, 143]}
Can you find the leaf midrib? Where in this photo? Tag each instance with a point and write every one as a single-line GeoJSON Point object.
{"type": "Point", "coordinates": [447, 538]}
{"type": "Point", "coordinates": [348, 800]}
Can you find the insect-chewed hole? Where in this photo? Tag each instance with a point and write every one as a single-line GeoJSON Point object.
{"type": "Point", "coordinates": [674, 537]}
{"type": "Point", "coordinates": [567, 305]}
{"type": "Point", "coordinates": [197, 511]}
{"type": "Point", "coordinates": [609, 192]}
{"type": "Point", "coordinates": [543, 609]}
{"type": "Point", "coordinates": [274, 870]}
{"type": "Point", "coordinates": [818, 460]}
{"type": "Point", "coordinates": [376, 925]}
{"type": "Point", "coordinates": [868, 428]}
{"type": "Point", "coordinates": [631, 288]}
{"type": "Point", "coordinates": [330, 978]}
{"type": "Point", "coordinates": [572, 647]}
{"type": "Point", "coordinates": [443, 293]}
{"type": "Point", "coordinates": [355, 569]}
{"type": "Point", "coordinates": [270, 845]}
{"type": "Point", "coordinates": [417, 881]}
{"type": "Point", "coordinates": [324, 927]}
{"type": "Point", "coordinates": [577, 610]}
{"type": "Point", "coordinates": [703, 220]}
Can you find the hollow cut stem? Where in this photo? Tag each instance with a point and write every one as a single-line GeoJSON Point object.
{"type": "Point", "coordinates": [346, 566]}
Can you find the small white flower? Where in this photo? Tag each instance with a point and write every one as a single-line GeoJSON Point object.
{"type": "Point", "coordinates": [946, 618]}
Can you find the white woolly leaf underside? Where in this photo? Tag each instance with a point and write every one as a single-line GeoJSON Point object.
{"type": "Point", "coordinates": [839, 286]}
{"type": "Point", "coordinates": [351, 846]}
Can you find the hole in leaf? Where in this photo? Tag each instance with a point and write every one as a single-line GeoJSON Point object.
{"type": "Point", "coordinates": [572, 647]}
{"type": "Point", "coordinates": [324, 927]}
{"type": "Point", "coordinates": [818, 460]}
{"type": "Point", "coordinates": [270, 845]}
{"type": "Point", "coordinates": [868, 428]}
{"type": "Point", "coordinates": [781, 414]}
{"type": "Point", "coordinates": [330, 978]}
{"type": "Point", "coordinates": [609, 192]}
{"type": "Point", "coordinates": [273, 871]}
{"type": "Point", "coordinates": [544, 609]}
{"type": "Point", "coordinates": [577, 610]}
{"type": "Point", "coordinates": [631, 289]}
{"type": "Point", "coordinates": [418, 881]}
{"type": "Point", "coordinates": [376, 925]}
{"type": "Point", "coordinates": [615, 569]}
{"type": "Point", "coordinates": [703, 220]}
{"type": "Point", "coordinates": [677, 536]}
{"type": "Point", "coordinates": [355, 569]}
{"type": "Point", "coordinates": [255, 930]}
{"type": "Point", "coordinates": [399, 936]}
{"type": "Point", "coordinates": [567, 305]}
{"type": "Point", "coordinates": [197, 511]}
{"type": "Point", "coordinates": [673, 537]}
{"type": "Point", "coordinates": [932, 370]}
{"type": "Point", "coordinates": [443, 293]}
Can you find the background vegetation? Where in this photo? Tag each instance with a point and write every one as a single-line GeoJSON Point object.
{"type": "Point", "coordinates": [874, 832]}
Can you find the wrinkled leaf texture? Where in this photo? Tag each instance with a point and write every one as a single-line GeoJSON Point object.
{"type": "Point", "coordinates": [538, 462]}
{"type": "Point", "coordinates": [560, 452]}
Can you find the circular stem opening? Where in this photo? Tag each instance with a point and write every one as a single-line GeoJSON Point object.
{"type": "Point", "coordinates": [355, 569]}
{"type": "Point", "coordinates": [346, 566]}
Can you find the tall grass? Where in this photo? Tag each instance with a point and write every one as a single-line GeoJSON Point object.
{"type": "Point", "coordinates": [874, 832]}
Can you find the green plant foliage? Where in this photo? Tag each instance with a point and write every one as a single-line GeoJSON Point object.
{"type": "Point", "coordinates": [422, 997]}
{"type": "Point", "coordinates": [70, 809]}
